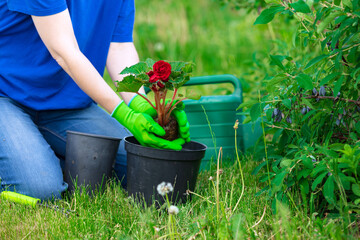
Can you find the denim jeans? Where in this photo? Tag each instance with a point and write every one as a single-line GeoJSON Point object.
{"type": "Point", "coordinates": [33, 144]}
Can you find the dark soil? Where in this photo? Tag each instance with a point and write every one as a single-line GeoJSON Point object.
{"type": "Point", "coordinates": [171, 129]}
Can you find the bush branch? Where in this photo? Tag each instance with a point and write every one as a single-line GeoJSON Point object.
{"type": "Point", "coordinates": [335, 99]}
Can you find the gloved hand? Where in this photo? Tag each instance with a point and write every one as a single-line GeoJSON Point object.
{"type": "Point", "coordinates": [140, 105]}
{"type": "Point", "coordinates": [144, 128]}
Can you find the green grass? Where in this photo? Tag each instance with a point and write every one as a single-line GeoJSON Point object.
{"type": "Point", "coordinates": [113, 215]}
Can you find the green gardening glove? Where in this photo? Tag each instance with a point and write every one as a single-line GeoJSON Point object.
{"type": "Point", "coordinates": [144, 128]}
{"type": "Point", "coordinates": [140, 105]}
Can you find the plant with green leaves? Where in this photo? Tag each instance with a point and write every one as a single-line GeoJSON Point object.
{"type": "Point", "coordinates": [160, 77]}
{"type": "Point", "coordinates": [311, 107]}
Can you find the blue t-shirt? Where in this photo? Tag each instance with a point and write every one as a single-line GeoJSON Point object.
{"type": "Point", "coordinates": [28, 73]}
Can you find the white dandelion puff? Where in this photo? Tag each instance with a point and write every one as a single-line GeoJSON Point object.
{"type": "Point", "coordinates": [164, 188]}
{"type": "Point", "coordinates": [173, 210]}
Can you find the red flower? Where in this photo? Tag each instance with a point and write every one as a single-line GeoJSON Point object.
{"type": "Point", "coordinates": [152, 77]}
{"type": "Point", "coordinates": [157, 86]}
{"type": "Point", "coordinates": [160, 84]}
{"type": "Point", "coordinates": [162, 70]}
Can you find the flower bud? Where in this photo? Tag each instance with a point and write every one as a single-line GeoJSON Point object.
{"type": "Point", "coordinates": [275, 113]}
{"type": "Point", "coordinates": [303, 111]}
{"type": "Point", "coordinates": [314, 92]}
{"type": "Point", "coordinates": [322, 91]}
{"type": "Point", "coordinates": [288, 120]}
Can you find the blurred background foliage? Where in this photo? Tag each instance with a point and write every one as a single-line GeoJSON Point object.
{"type": "Point", "coordinates": [218, 38]}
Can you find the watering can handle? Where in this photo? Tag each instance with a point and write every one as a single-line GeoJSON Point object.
{"type": "Point", "coordinates": [225, 78]}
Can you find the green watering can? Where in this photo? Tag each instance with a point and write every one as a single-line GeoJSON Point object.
{"type": "Point", "coordinates": [212, 119]}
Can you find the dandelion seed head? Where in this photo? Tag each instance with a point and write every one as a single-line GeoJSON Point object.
{"type": "Point", "coordinates": [173, 210]}
{"type": "Point", "coordinates": [164, 188]}
{"type": "Point", "coordinates": [211, 178]}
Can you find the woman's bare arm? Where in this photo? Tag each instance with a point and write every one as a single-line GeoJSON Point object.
{"type": "Point", "coordinates": [121, 55]}
{"type": "Point", "coordinates": [57, 33]}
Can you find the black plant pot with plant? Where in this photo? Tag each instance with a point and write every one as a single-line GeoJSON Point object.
{"type": "Point", "coordinates": [149, 167]}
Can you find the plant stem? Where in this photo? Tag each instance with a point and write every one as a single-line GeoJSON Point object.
{"type": "Point", "coordinates": [265, 146]}
{"type": "Point", "coordinates": [173, 107]}
{"type": "Point", "coordinates": [158, 108]}
{"type": "Point", "coordinates": [146, 99]}
{"type": "Point", "coordinates": [290, 129]}
{"type": "Point", "coordinates": [171, 102]}
{"type": "Point", "coordinates": [161, 110]}
{"type": "Point", "coordinates": [335, 98]}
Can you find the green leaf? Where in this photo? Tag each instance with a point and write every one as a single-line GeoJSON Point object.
{"type": "Point", "coordinates": [315, 60]}
{"type": "Point", "coordinates": [255, 112]}
{"type": "Point", "coordinates": [150, 62]}
{"type": "Point", "coordinates": [344, 181]}
{"type": "Point", "coordinates": [287, 103]}
{"type": "Point", "coordinates": [353, 73]}
{"type": "Point", "coordinates": [347, 3]}
{"type": "Point", "coordinates": [304, 173]}
{"type": "Point", "coordinates": [306, 131]}
{"type": "Point", "coordinates": [285, 163]}
{"type": "Point", "coordinates": [177, 66]}
{"type": "Point", "coordinates": [193, 94]}
{"type": "Point", "coordinates": [307, 103]}
{"type": "Point", "coordinates": [277, 182]}
{"type": "Point", "coordinates": [308, 163]}
{"type": "Point", "coordinates": [300, 6]}
{"type": "Point", "coordinates": [356, 189]}
{"type": "Point", "coordinates": [304, 186]}
{"type": "Point", "coordinates": [180, 81]}
{"type": "Point", "coordinates": [318, 180]}
{"type": "Point", "coordinates": [268, 15]}
{"type": "Point", "coordinates": [257, 169]}
{"type": "Point", "coordinates": [337, 85]}
{"type": "Point", "coordinates": [304, 81]}
{"type": "Point", "coordinates": [328, 190]}
{"type": "Point", "coordinates": [237, 224]}
{"type": "Point", "coordinates": [329, 78]}
{"type": "Point", "coordinates": [138, 68]}
{"type": "Point", "coordinates": [321, 27]}
{"type": "Point", "coordinates": [353, 136]}
{"type": "Point", "coordinates": [247, 104]}
{"type": "Point", "coordinates": [357, 127]}
{"type": "Point", "coordinates": [129, 84]}
{"type": "Point", "coordinates": [277, 60]}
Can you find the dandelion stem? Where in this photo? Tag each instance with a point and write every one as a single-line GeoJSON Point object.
{"type": "Point", "coordinates": [217, 186]}
{"type": "Point", "coordinates": [241, 172]}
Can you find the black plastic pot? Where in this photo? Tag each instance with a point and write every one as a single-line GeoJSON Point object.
{"type": "Point", "coordinates": [89, 159]}
{"type": "Point", "coordinates": [148, 167]}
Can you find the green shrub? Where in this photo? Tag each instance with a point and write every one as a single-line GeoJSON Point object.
{"type": "Point", "coordinates": [310, 106]}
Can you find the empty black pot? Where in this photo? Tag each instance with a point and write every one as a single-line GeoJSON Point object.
{"type": "Point", "coordinates": [89, 159]}
{"type": "Point", "coordinates": [148, 167]}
